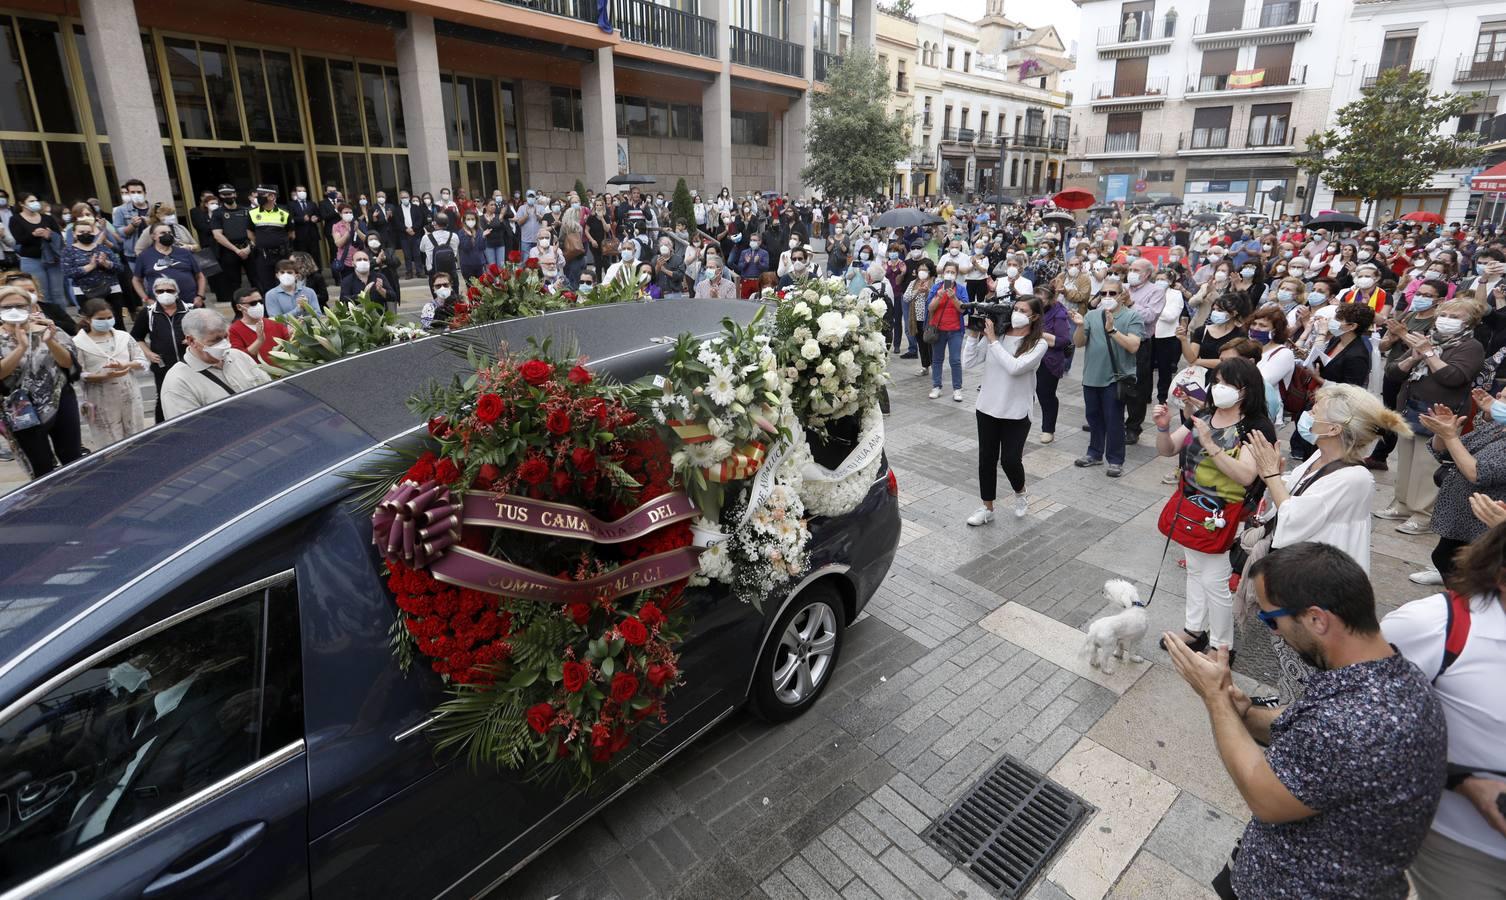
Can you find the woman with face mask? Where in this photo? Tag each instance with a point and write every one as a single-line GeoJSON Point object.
{"type": "Point", "coordinates": [1216, 472]}
{"type": "Point", "coordinates": [37, 363]}
{"type": "Point", "coordinates": [472, 255]}
{"type": "Point", "coordinates": [437, 312]}
{"type": "Point", "coordinates": [917, 296]}
{"type": "Point", "coordinates": [944, 313]}
{"type": "Point", "coordinates": [92, 267]}
{"type": "Point", "coordinates": [1418, 319]}
{"type": "Point", "coordinates": [1201, 344]}
{"type": "Point", "coordinates": [1366, 289]}
{"type": "Point", "coordinates": [38, 240]}
{"type": "Point", "coordinates": [1437, 371]}
{"type": "Point", "coordinates": [1010, 361]}
{"type": "Point", "coordinates": [109, 361]}
{"type": "Point", "coordinates": [347, 240]}
{"type": "Point", "coordinates": [253, 332]}
{"type": "Point", "coordinates": [1334, 351]}
{"type": "Point", "coordinates": [165, 213]}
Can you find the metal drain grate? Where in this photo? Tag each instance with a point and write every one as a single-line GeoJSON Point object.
{"type": "Point", "coordinates": [1008, 826]}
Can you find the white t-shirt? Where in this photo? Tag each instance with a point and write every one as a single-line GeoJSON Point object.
{"type": "Point", "coordinates": [1470, 692]}
{"type": "Point", "coordinates": [1335, 510]}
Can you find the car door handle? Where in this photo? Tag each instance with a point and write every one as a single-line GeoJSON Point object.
{"type": "Point", "coordinates": [236, 849]}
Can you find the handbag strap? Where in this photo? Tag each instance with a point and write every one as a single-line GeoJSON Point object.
{"type": "Point", "coordinates": [217, 380]}
{"type": "Point", "coordinates": [1109, 345]}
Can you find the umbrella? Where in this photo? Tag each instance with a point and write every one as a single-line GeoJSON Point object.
{"type": "Point", "coordinates": [1063, 217]}
{"type": "Point", "coordinates": [1336, 220]}
{"type": "Point", "coordinates": [1423, 216]}
{"type": "Point", "coordinates": [631, 179]}
{"type": "Point", "coordinates": [1040, 201]}
{"type": "Point", "coordinates": [906, 217]}
{"type": "Point", "coordinates": [1169, 201]}
{"type": "Point", "coordinates": [1103, 207]}
{"type": "Point", "coordinates": [1074, 198]}
{"type": "Point", "coordinates": [1001, 200]}
{"type": "Point", "coordinates": [1205, 218]}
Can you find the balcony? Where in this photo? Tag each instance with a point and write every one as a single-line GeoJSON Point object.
{"type": "Point", "coordinates": [1249, 82]}
{"type": "Point", "coordinates": [646, 22]}
{"type": "Point", "coordinates": [1129, 144]}
{"type": "Point", "coordinates": [1275, 138]}
{"type": "Point", "coordinates": [1284, 18]}
{"type": "Point", "coordinates": [824, 63]}
{"type": "Point", "coordinates": [1152, 92]}
{"type": "Point", "coordinates": [1471, 69]}
{"type": "Point", "coordinates": [1371, 73]}
{"type": "Point", "coordinates": [951, 135]}
{"type": "Point", "coordinates": [582, 10]}
{"type": "Point", "coordinates": [749, 48]}
{"type": "Point", "coordinates": [922, 158]}
{"type": "Point", "coordinates": [1140, 35]}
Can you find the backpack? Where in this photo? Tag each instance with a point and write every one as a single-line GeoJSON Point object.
{"type": "Point", "coordinates": [1455, 630]}
{"type": "Point", "coordinates": [444, 256]}
{"type": "Point", "coordinates": [1297, 393]}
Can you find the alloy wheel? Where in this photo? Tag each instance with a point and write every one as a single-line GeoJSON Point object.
{"type": "Point", "coordinates": [804, 655]}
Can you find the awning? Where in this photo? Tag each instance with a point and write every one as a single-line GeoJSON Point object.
{"type": "Point", "coordinates": [1492, 179]}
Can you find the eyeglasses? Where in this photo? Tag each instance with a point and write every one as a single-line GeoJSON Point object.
{"type": "Point", "coordinates": [1270, 618]}
{"type": "Point", "coordinates": [1108, 293]}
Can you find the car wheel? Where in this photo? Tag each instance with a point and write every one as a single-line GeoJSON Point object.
{"type": "Point", "coordinates": [801, 652]}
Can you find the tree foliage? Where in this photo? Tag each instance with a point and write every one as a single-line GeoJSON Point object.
{"type": "Point", "coordinates": [1388, 142]}
{"type": "Point", "coordinates": [681, 207]}
{"type": "Point", "coordinates": [852, 143]}
{"type": "Point", "coordinates": [580, 191]}
{"type": "Point", "coordinates": [901, 8]}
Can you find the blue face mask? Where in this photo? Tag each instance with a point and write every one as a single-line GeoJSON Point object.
{"type": "Point", "coordinates": [1498, 412]}
{"type": "Point", "coordinates": [1305, 427]}
{"type": "Point", "coordinates": [1218, 317]}
{"type": "Point", "coordinates": [1420, 304]}
{"type": "Point", "coordinates": [1285, 296]}
{"type": "Point", "coordinates": [1317, 299]}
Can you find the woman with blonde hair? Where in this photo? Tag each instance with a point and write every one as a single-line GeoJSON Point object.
{"type": "Point", "coordinates": [165, 213]}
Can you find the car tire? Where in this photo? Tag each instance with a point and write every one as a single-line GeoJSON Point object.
{"type": "Point", "coordinates": [800, 655]}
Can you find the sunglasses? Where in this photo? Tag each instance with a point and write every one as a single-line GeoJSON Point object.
{"type": "Point", "coordinates": [1108, 293]}
{"type": "Point", "coordinates": [1270, 618]}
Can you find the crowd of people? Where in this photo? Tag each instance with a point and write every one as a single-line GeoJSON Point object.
{"type": "Point", "coordinates": [1379, 347]}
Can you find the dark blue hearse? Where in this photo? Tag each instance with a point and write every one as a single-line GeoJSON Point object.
{"type": "Point", "coordinates": [197, 693]}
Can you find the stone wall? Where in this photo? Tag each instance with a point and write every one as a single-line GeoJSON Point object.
{"type": "Point", "coordinates": [552, 158]}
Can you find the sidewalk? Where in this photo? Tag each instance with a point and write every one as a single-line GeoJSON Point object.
{"type": "Point", "coordinates": [969, 651]}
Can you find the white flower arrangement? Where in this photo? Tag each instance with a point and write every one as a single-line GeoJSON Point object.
{"type": "Point", "coordinates": [766, 545]}
{"type": "Point", "coordinates": [830, 343]}
{"type": "Point", "coordinates": [829, 493]}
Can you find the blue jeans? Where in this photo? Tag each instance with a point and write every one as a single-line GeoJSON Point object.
{"type": "Point", "coordinates": [51, 284]}
{"type": "Point", "coordinates": [949, 344]}
{"type": "Point", "coordinates": [1105, 423]}
{"type": "Point", "coordinates": [496, 256]}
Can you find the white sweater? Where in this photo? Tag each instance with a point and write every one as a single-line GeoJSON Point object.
{"type": "Point", "coordinates": [1008, 380]}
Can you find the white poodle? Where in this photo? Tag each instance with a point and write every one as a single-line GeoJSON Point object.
{"type": "Point", "coordinates": [1117, 633]}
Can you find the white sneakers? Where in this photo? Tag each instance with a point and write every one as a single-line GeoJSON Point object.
{"type": "Point", "coordinates": [1047, 437]}
{"type": "Point", "coordinates": [1412, 526]}
{"type": "Point", "coordinates": [981, 516]}
{"type": "Point", "coordinates": [1021, 505]}
{"type": "Point", "coordinates": [922, 371]}
{"type": "Point", "coordinates": [1426, 576]}
{"type": "Point", "coordinates": [957, 396]}
{"type": "Point", "coordinates": [1392, 512]}
{"type": "Point", "coordinates": [935, 392]}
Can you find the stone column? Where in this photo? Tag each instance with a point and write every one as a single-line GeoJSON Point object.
{"type": "Point", "coordinates": [863, 33]}
{"type": "Point", "coordinates": [598, 98]}
{"type": "Point", "coordinates": [423, 105]}
{"type": "Point", "coordinates": [798, 116]}
{"type": "Point", "coordinates": [125, 96]}
{"type": "Point", "coordinates": [716, 106]}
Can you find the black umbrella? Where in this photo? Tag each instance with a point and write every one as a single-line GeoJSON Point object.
{"type": "Point", "coordinates": [630, 178]}
{"type": "Point", "coordinates": [1140, 201]}
{"type": "Point", "coordinates": [1001, 200]}
{"type": "Point", "coordinates": [1169, 201]}
{"type": "Point", "coordinates": [1103, 207]}
{"type": "Point", "coordinates": [906, 217]}
{"type": "Point", "coordinates": [1064, 217]}
{"type": "Point", "coordinates": [1336, 220]}
{"type": "Point", "coordinates": [1205, 218]}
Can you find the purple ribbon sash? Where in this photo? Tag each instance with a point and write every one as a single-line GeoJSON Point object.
{"type": "Point", "coordinates": [560, 520]}
{"type": "Point", "coordinates": [466, 568]}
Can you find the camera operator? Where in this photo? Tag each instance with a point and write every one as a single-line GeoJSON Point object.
{"type": "Point", "coordinates": [1003, 406]}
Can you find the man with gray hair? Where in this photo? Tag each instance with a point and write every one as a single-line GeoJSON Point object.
{"type": "Point", "coordinates": [1160, 353]}
{"type": "Point", "coordinates": [210, 369]}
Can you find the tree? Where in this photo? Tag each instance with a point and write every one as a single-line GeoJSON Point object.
{"type": "Point", "coordinates": [1388, 142]}
{"type": "Point", "coordinates": [580, 191]}
{"type": "Point", "coordinates": [851, 143]}
{"type": "Point", "coordinates": [900, 8]}
{"type": "Point", "coordinates": [681, 207]}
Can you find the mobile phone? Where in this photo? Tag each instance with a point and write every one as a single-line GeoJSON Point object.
{"type": "Point", "coordinates": [1196, 392]}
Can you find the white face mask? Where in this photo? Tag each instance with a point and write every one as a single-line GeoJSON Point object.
{"type": "Point", "coordinates": [1220, 275]}
{"type": "Point", "coordinates": [1367, 283]}
{"type": "Point", "coordinates": [1335, 327]}
{"type": "Point", "coordinates": [1109, 304]}
{"type": "Point", "coordinates": [950, 276]}
{"type": "Point", "coordinates": [1012, 271]}
{"type": "Point", "coordinates": [543, 243]}
{"type": "Point", "coordinates": [1018, 319]}
{"type": "Point", "coordinates": [14, 315]}
{"type": "Point", "coordinates": [347, 217]}
{"type": "Point", "coordinates": [218, 349]}
{"type": "Point", "coordinates": [443, 293]}
{"type": "Point", "coordinates": [1448, 325]}
{"type": "Point", "coordinates": [1074, 271]}
{"type": "Point", "coordinates": [302, 196]}
{"type": "Point", "coordinates": [287, 279]}
{"type": "Point", "coordinates": [138, 197]}
{"type": "Point", "coordinates": [363, 266]}
{"type": "Point", "coordinates": [255, 311]}
{"type": "Point", "coordinates": [167, 297]}
{"type": "Point", "coordinates": [1224, 395]}
{"type": "Point", "coordinates": [374, 243]}
{"type": "Point", "coordinates": [1134, 278]}
{"type": "Point", "coordinates": [169, 220]}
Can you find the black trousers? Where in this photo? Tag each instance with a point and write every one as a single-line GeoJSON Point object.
{"type": "Point", "coordinates": [264, 262]}
{"type": "Point", "coordinates": [925, 354]}
{"type": "Point", "coordinates": [1001, 443]}
{"type": "Point", "coordinates": [1443, 555]}
{"type": "Point", "coordinates": [232, 270]}
{"type": "Point", "coordinates": [1390, 392]}
{"type": "Point", "coordinates": [1045, 394]}
{"type": "Point", "coordinates": [56, 442]}
{"type": "Point", "coordinates": [158, 374]}
{"type": "Point", "coordinates": [1156, 364]}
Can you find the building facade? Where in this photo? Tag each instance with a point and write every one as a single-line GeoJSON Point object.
{"type": "Point", "coordinates": [472, 94]}
{"type": "Point", "coordinates": [898, 50]}
{"type": "Point", "coordinates": [1461, 45]}
{"type": "Point", "coordinates": [1209, 103]}
{"type": "Point", "coordinates": [990, 112]}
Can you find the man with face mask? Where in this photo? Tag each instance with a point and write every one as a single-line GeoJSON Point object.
{"type": "Point", "coordinates": [305, 215]}
{"type": "Point", "coordinates": [273, 229]}
{"type": "Point", "coordinates": [669, 267]}
{"type": "Point", "coordinates": [751, 263]}
{"type": "Point", "coordinates": [1312, 797]}
{"type": "Point", "coordinates": [211, 369]}
{"type": "Point", "coordinates": [158, 329]}
{"type": "Point", "coordinates": [163, 257]}
{"type": "Point", "coordinates": [440, 248]}
{"type": "Point", "coordinates": [718, 283]}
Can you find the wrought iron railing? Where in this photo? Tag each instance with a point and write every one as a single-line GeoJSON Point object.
{"type": "Point", "coordinates": [584, 10]}
{"type": "Point", "coordinates": [1248, 81]}
{"type": "Point", "coordinates": [1254, 137]}
{"type": "Point", "coordinates": [1471, 69]}
{"type": "Point", "coordinates": [646, 22]}
{"type": "Point", "coordinates": [1281, 14]}
{"type": "Point", "coordinates": [749, 48]}
{"type": "Point", "coordinates": [1372, 72]}
{"type": "Point", "coordinates": [1113, 90]}
{"type": "Point", "coordinates": [1127, 142]}
{"type": "Point", "coordinates": [1136, 28]}
{"type": "Point", "coordinates": [823, 63]}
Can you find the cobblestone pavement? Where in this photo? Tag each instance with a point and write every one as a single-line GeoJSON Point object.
{"type": "Point", "coordinates": [967, 652]}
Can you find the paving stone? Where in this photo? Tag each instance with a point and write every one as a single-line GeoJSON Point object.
{"type": "Point", "coordinates": [1195, 838]}
{"type": "Point", "coordinates": [778, 887]}
{"type": "Point", "coordinates": [809, 883]}
{"type": "Point", "coordinates": [913, 876]}
{"type": "Point", "coordinates": [824, 861]}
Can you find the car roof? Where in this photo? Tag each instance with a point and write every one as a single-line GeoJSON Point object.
{"type": "Point", "coordinates": [72, 543]}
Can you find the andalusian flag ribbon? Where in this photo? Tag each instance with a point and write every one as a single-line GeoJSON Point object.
{"type": "Point", "coordinates": [1246, 78]}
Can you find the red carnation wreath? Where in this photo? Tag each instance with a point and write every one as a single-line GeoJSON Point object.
{"type": "Point", "coordinates": [553, 686]}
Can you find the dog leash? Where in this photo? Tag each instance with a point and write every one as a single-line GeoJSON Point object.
{"type": "Point", "coordinates": [1152, 595]}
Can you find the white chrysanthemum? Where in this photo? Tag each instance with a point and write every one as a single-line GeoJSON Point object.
{"type": "Point", "coordinates": [810, 349]}
{"type": "Point", "coordinates": [721, 389]}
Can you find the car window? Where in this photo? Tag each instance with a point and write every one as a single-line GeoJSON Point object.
{"type": "Point", "coordinates": [147, 723]}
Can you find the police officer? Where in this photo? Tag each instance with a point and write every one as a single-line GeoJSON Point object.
{"type": "Point", "coordinates": [231, 226]}
{"type": "Point", "coordinates": [272, 227]}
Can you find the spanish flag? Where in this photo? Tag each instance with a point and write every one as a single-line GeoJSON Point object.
{"type": "Point", "coordinates": [1246, 78]}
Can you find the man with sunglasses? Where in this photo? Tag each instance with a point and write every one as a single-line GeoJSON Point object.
{"type": "Point", "coordinates": [1110, 335]}
{"type": "Point", "coordinates": [1346, 788]}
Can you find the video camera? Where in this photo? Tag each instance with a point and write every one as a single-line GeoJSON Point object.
{"type": "Point", "coordinates": [978, 313]}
